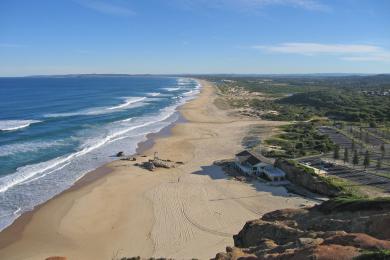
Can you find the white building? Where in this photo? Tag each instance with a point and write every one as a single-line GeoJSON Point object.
{"type": "Point", "coordinates": [274, 174]}
{"type": "Point", "coordinates": [256, 165]}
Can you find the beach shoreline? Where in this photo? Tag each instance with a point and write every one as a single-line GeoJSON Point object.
{"type": "Point", "coordinates": [12, 232]}
{"type": "Point", "coordinates": [190, 211]}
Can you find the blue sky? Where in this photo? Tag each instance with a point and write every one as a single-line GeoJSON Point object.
{"type": "Point", "coordinates": [194, 36]}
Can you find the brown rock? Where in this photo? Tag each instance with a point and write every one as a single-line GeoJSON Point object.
{"type": "Point", "coordinates": [379, 226]}
{"type": "Point", "coordinates": [283, 248]}
{"type": "Point", "coordinates": [333, 233]}
{"type": "Point", "coordinates": [266, 244]}
{"type": "Point", "coordinates": [327, 252]}
{"type": "Point", "coordinates": [307, 241]}
{"type": "Point", "coordinates": [257, 230]}
{"type": "Point", "coordinates": [321, 252]}
{"type": "Point", "coordinates": [120, 154]}
{"type": "Point", "coordinates": [234, 253]}
{"type": "Point", "coordinates": [358, 240]}
{"type": "Point", "coordinates": [283, 214]}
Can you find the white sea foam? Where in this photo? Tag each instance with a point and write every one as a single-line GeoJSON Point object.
{"type": "Point", "coordinates": [27, 172]}
{"type": "Point", "coordinates": [12, 125]}
{"type": "Point", "coordinates": [127, 103]}
{"type": "Point", "coordinates": [9, 149]}
{"type": "Point", "coordinates": [188, 93]}
{"type": "Point", "coordinates": [127, 119]}
{"type": "Point", "coordinates": [36, 171]}
{"type": "Point", "coordinates": [183, 81]}
{"type": "Point", "coordinates": [130, 102]}
{"type": "Point", "coordinates": [153, 94]}
{"type": "Point", "coordinates": [171, 89]}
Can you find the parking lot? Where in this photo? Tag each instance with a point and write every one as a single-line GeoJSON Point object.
{"type": "Point", "coordinates": [345, 142]}
{"type": "Point", "coordinates": [338, 138]}
{"type": "Point", "coordinates": [358, 176]}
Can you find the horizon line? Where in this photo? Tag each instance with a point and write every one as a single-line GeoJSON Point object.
{"type": "Point", "coordinates": [198, 74]}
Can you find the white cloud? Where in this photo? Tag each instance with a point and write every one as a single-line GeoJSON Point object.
{"type": "Point", "coordinates": [351, 52]}
{"type": "Point", "coordinates": [374, 57]}
{"type": "Point", "coordinates": [305, 4]}
{"type": "Point", "coordinates": [314, 5]}
{"type": "Point", "coordinates": [107, 7]}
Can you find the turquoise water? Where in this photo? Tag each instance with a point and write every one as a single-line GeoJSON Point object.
{"type": "Point", "coordinates": [53, 130]}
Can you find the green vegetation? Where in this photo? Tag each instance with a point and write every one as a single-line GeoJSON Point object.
{"type": "Point", "coordinates": [282, 85]}
{"type": "Point", "coordinates": [336, 152]}
{"type": "Point", "coordinates": [299, 139]}
{"type": "Point", "coordinates": [379, 164]}
{"type": "Point", "coordinates": [343, 105]}
{"type": "Point", "coordinates": [363, 99]}
{"type": "Point", "coordinates": [346, 155]}
{"type": "Point", "coordinates": [374, 255]}
{"type": "Point", "coordinates": [354, 202]}
{"type": "Point", "coordinates": [366, 161]}
{"type": "Point", "coordinates": [355, 159]}
{"type": "Point", "coordinates": [284, 112]}
{"type": "Point", "coordinates": [383, 150]}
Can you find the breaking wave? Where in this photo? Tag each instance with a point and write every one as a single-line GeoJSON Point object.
{"type": "Point", "coordinates": [12, 125]}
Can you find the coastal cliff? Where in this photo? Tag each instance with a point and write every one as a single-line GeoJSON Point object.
{"type": "Point", "coordinates": [307, 178]}
{"type": "Point", "coordinates": [341, 228]}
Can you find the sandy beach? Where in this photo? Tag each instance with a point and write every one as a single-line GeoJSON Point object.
{"type": "Point", "coordinates": [191, 211]}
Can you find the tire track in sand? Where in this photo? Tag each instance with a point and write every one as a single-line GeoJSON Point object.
{"type": "Point", "coordinates": [203, 228]}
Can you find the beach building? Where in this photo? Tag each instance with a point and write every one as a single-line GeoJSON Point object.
{"type": "Point", "coordinates": [248, 163]}
{"type": "Point", "coordinates": [256, 165]}
{"type": "Point", "coordinates": [273, 173]}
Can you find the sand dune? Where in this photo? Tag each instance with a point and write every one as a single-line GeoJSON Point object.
{"type": "Point", "coordinates": [190, 211]}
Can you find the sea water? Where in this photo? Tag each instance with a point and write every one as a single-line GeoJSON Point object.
{"type": "Point", "coordinates": [53, 130]}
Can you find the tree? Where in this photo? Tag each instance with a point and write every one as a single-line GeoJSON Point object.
{"type": "Point", "coordinates": [299, 145]}
{"type": "Point", "coordinates": [355, 159]}
{"type": "Point", "coordinates": [336, 152]}
{"type": "Point", "coordinates": [383, 150]}
{"type": "Point", "coordinates": [366, 161]}
{"type": "Point", "coordinates": [353, 145]}
{"type": "Point", "coordinates": [373, 124]}
{"type": "Point", "coordinates": [346, 155]}
{"type": "Point", "coordinates": [367, 138]}
{"type": "Point", "coordinates": [379, 164]}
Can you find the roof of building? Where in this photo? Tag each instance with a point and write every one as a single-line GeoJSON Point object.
{"type": "Point", "coordinates": [273, 171]}
{"type": "Point", "coordinates": [246, 157]}
{"type": "Point", "coordinates": [244, 153]}
{"type": "Point", "coordinates": [253, 158]}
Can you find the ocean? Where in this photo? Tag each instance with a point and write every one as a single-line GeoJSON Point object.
{"type": "Point", "coordinates": [53, 130]}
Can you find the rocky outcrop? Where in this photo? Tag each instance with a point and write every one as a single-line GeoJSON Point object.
{"type": "Point", "coordinates": [277, 231]}
{"type": "Point", "coordinates": [152, 164]}
{"type": "Point", "coordinates": [320, 252]}
{"type": "Point", "coordinates": [120, 154]}
{"type": "Point", "coordinates": [307, 178]}
{"type": "Point", "coordinates": [338, 229]}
